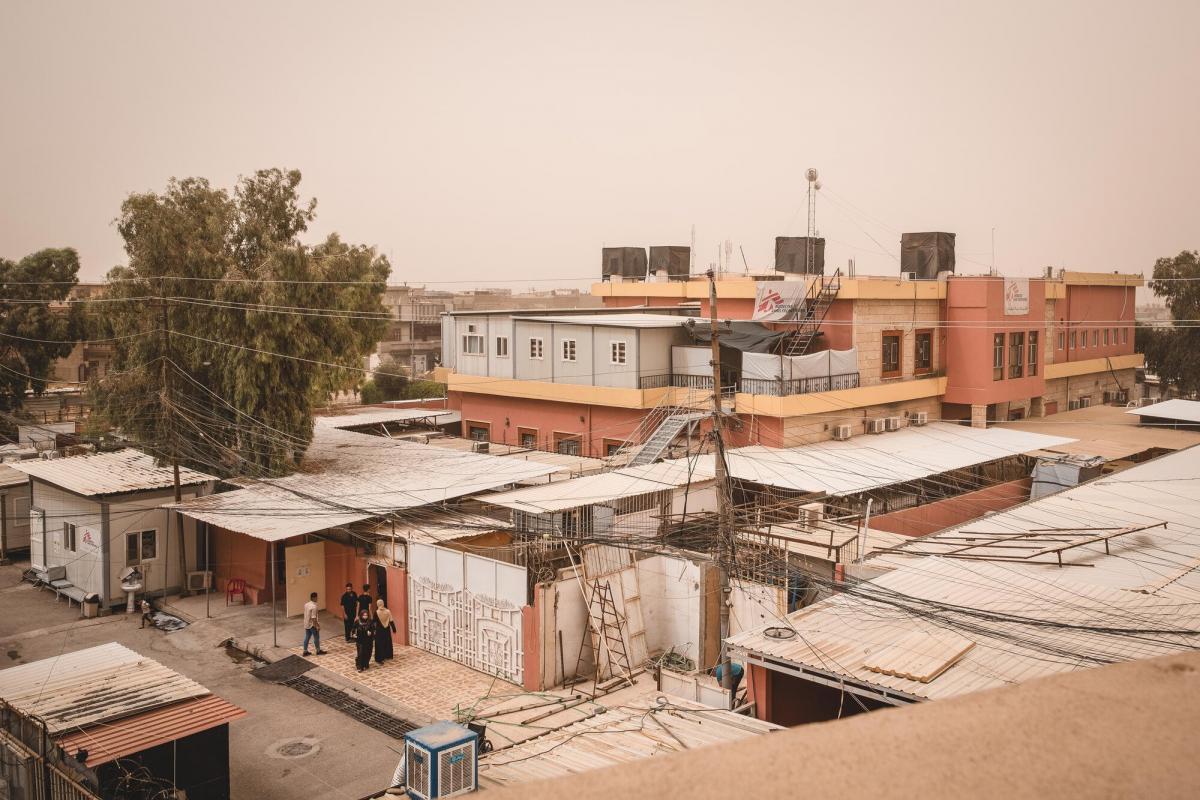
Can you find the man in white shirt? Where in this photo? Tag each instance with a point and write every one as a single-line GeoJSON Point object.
{"type": "Point", "coordinates": [312, 626]}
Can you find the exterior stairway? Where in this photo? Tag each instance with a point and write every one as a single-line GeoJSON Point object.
{"type": "Point", "coordinates": [663, 435]}
{"type": "Point", "coordinates": [816, 306]}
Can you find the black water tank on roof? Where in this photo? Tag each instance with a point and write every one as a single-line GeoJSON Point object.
{"type": "Point", "coordinates": [791, 255]}
{"type": "Point", "coordinates": [675, 259]}
{"type": "Point", "coordinates": [926, 254]}
{"type": "Point", "coordinates": [628, 262]}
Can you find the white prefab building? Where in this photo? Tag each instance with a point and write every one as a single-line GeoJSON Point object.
{"type": "Point", "coordinates": [14, 511]}
{"type": "Point", "coordinates": [617, 350]}
{"type": "Point", "coordinates": [94, 515]}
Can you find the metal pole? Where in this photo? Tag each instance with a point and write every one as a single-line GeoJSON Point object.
{"type": "Point", "coordinates": [207, 569]}
{"type": "Point", "coordinates": [864, 527]}
{"type": "Point", "coordinates": [725, 523]}
{"type": "Point", "coordinates": [274, 609]}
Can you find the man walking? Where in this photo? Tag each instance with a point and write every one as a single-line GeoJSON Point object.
{"type": "Point", "coordinates": [349, 609]}
{"type": "Point", "coordinates": [312, 626]}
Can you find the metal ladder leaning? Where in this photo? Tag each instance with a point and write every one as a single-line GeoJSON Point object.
{"type": "Point", "coordinates": [606, 635]}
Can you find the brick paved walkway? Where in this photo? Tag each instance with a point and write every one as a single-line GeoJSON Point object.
{"type": "Point", "coordinates": [416, 678]}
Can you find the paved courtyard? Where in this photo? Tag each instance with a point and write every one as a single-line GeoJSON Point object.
{"type": "Point", "coordinates": [434, 686]}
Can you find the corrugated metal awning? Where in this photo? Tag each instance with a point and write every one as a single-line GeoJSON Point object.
{"type": "Point", "coordinates": [140, 732]}
{"type": "Point", "coordinates": [95, 474]}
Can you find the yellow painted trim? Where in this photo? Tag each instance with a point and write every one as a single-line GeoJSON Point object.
{"type": "Point", "coordinates": [576, 393]}
{"type": "Point", "coordinates": [673, 289]}
{"type": "Point", "coordinates": [1103, 279]}
{"type": "Point", "coordinates": [1069, 369]}
{"type": "Point", "coordinates": [886, 289]}
{"type": "Point", "coordinates": [825, 402]}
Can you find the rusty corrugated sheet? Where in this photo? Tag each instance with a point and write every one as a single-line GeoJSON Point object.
{"type": "Point", "coordinates": [150, 729]}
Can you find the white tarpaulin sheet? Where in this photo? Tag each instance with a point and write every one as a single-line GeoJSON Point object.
{"type": "Point", "coordinates": [843, 362]}
{"type": "Point", "coordinates": [813, 365]}
{"type": "Point", "coordinates": [763, 366]}
{"type": "Point", "coordinates": [780, 301]}
{"type": "Point", "coordinates": [691, 361]}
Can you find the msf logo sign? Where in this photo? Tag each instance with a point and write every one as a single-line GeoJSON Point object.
{"type": "Point", "coordinates": [770, 302]}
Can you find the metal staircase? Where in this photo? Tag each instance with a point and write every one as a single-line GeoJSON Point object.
{"type": "Point", "coordinates": [664, 434]}
{"type": "Point", "coordinates": [820, 297]}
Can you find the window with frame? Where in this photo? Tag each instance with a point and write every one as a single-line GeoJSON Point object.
{"type": "Point", "coordinates": [1095, 338]}
{"type": "Point", "coordinates": [998, 357]}
{"type": "Point", "coordinates": [21, 508]}
{"type": "Point", "coordinates": [1016, 355]}
{"type": "Point", "coordinates": [1073, 340]}
{"type": "Point", "coordinates": [1062, 341]}
{"type": "Point", "coordinates": [1124, 335]}
{"type": "Point", "coordinates": [478, 433]}
{"type": "Point", "coordinates": [1033, 353]}
{"type": "Point", "coordinates": [535, 347]}
{"type": "Point", "coordinates": [502, 347]}
{"type": "Point", "coordinates": [890, 355]}
{"type": "Point", "coordinates": [568, 349]}
{"type": "Point", "coordinates": [1083, 340]}
{"type": "Point", "coordinates": [616, 352]}
{"type": "Point", "coordinates": [528, 439]}
{"type": "Point", "coordinates": [472, 342]}
{"type": "Point", "coordinates": [923, 352]}
{"type": "Point", "coordinates": [612, 447]}
{"type": "Point", "coordinates": [1106, 337]}
{"type": "Point", "coordinates": [140, 547]}
{"type": "Point", "coordinates": [68, 536]}
{"type": "Point", "coordinates": [568, 446]}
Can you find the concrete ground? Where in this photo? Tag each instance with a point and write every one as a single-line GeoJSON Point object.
{"type": "Point", "coordinates": [350, 760]}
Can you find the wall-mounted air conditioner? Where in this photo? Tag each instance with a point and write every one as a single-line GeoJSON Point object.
{"type": "Point", "coordinates": [842, 432]}
{"type": "Point", "coordinates": [876, 425]}
{"type": "Point", "coordinates": [894, 423]}
{"type": "Point", "coordinates": [919, 418]}
{"type": "Point", "coordinates": [811, 513]}
{"type": "Point", "coordinates": [908, 276]}
{"type": "Point", "coordinates": [479, 447]}
{"type": "Point", "coordinates": [199, 581]}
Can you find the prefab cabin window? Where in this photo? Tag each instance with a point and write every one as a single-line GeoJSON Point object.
{"type": "Point", "coordinates": [535, 348]}
{"type": "Point", "coordinates": [140, 546]}
{"type": "Point", "coordinates": [472, 342]}
{"type": "Point", "coordinates": [502, 347]}
{"type": "Point", "coordinates": [568, 349]}
{"type": "Point", "coordinates": [617, 352]}
{"type": "Point", "coordinates": [68, 537]}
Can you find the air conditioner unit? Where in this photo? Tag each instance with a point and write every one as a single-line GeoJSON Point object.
{"type": "Point", "coordinates": [894, 423]}
{"type": "Point", "coordinates": [908, 276]}
{"type": "Point", "coordinates": [479, 447]}
{"type": "Point", "coordinates": [199, 581]}
{"type": "Point", "coordinates": [919, 418]}
{"type": "Point", "coordinates": [876, 425]}
{"type": "Point", "coordinates": [842, 432]}
{"type": "Point", "coordinates": [441, 760]}
{"type": "Point", "coordinates": [811, 513]}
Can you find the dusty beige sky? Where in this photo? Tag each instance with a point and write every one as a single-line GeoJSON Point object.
{"type": "Point", "coordinates": [480, 141]}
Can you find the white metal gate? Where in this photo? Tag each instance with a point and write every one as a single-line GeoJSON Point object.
{"type": "Point", "coordinates": [466, 608]}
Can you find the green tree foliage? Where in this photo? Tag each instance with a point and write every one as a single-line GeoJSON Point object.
{"type": "Point", "coordinates": [389, 380]}
{"type": "Point", "coordinates": [262, 327]}
{"type": "Point", "coordinates": [33, 333]}
{"type": "Point", "coordinates": [1174, 353]}
{"type": "Point", "coordinates": [418, 390]}
{"type": "Point", "coordinates": [370, 394]}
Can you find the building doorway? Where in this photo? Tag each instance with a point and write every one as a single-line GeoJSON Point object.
{"type": "Point", "coordinates": [377, 577]}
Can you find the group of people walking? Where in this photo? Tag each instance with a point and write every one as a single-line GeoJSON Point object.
{"type": "Point", "coordinates": [367, 622]}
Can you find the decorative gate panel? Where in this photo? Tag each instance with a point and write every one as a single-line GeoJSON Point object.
{"type": "Point", "coordinates": [466, 608]}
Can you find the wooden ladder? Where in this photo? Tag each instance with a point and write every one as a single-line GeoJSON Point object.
{"type": "Point", "coordinates": [606, 636]}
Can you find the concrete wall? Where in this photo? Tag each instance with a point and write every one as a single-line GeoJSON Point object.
{"type": "Point", "coordinates": [755, 605]}
{"type": "Point", "coordinates": [671, 600]}
{"type": "Point", "coordinates": [1060, 391]}
{"type": "Point", "coordinates": [808, 429]}
{"type": "Point", "coordinates": [873, 317]}
{"type": "Point", "coordinates": [592, 424]}
{"type": "Point", "coordinates": [930, 517]}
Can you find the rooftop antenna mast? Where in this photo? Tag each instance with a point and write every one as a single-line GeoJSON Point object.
{"type": "Point", "coordinates": [814, 186]}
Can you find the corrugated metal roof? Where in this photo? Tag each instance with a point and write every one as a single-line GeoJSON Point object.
{"type": "Point", "coordinates": [140, 732]}
{"type": "Point", "coordinates": [11, 477]}
{"type": "Point", "coordinates": [1185, 410]}
{"type": "Point", "coordinates": [1023, 626]}
{"type": "Point", "coordinates": [1160, 560]}
{"type": "Point", "coordinates": [607, 486]}
{"type": "Point", "coordinates": [95, 474]}
{"type": "Point", "coordinates": [91, 686]}
{"type": "Point", "coordinates": [629, 732]}
{"type": "Point", "coordinates": [381, 416]}
{"type": "Point", "coordinates": [354, 477]}
{"type": "Point", "coordinates": [872, 462]}
{"type": "Point", "coordinates": [614, 320]}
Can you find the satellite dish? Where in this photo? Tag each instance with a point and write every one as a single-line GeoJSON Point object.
{"type": "Point", "coordinates": [817, 185]}
{"type": "Point", "coordinates": [811, 174]}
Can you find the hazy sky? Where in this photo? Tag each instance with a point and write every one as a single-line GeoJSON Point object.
{"type": "Point", "coordinates": [509, 141]}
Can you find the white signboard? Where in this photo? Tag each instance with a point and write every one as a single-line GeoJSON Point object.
{"type": "Point", "coordinates": [1016, 296]}
{"type": "Point", "coordinates": [780, 301]}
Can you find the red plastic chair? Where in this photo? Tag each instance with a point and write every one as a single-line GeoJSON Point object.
{"type": "Point", "coordinates": [235, 586]}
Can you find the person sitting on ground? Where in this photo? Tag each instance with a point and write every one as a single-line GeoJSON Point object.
{"type": "Point", "coordinates": [383, 632]}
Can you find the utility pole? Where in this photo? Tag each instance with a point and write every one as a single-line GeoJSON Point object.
{"type": "Point", "coordinates": [724, 512]}
{"type": "Point", "coordinates": [169, 426]}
